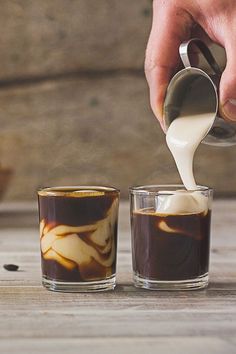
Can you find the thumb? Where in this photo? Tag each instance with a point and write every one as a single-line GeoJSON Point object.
{"type": "Point", "coordinates": [228, 84]}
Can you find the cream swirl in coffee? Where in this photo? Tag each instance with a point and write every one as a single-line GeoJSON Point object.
{"type": "Point", "coordinates": [181, 202]}
{"type": "Point", "coordinates": [78, 234]}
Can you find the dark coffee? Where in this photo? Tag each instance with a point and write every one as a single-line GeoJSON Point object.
{"type": "Point", "coordinates": [170, 247]}
{"type": "Point", "coordinates": [78, 234]}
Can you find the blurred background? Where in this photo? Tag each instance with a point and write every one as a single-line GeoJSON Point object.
{"type": "Point", "coordinates": [74, 105]}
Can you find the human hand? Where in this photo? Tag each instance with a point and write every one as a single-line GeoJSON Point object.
{"type": "Point", "coordinates": [175, 21]}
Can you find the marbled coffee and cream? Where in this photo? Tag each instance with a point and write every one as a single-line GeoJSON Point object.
{"type": "Point", "coordinates": [78, 234]}
{"type": "Point", "coordinates": [169, 245]}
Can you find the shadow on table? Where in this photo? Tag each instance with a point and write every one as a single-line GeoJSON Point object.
{"type": "Point", "coordinates": [222, 285]}
{"type": "Point", "coordinates": [219, 286]}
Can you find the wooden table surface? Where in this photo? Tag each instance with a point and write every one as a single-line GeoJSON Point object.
{"type": "Point", "coordinates": [127, 320]}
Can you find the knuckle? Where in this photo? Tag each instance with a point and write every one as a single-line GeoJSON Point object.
{"type": "Point", "coordinates": [150, 62]}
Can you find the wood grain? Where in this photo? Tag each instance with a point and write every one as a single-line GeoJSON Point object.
{"type": "Point", "coordinates": [57, 37]}
{"type": "Point", "coordinates": [124, 321]}
{"type": "Point", "coordinates": [137, 345]}
{"type": "Point", "coordinates": [93, 130]}
{"type": "Point", "coordinates": [46, 38]}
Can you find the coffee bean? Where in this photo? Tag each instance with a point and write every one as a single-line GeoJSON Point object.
{"type": "Point", "coordinates": [11, 267]}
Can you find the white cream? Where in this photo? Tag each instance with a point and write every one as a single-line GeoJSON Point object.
{"type": "Point", "coordinates": [183, 137]}
{"type": "Point", "coordinates": [181, 202]}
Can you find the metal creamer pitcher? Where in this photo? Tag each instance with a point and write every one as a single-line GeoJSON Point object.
{"type": "Point", "coordinates": [204, 85]}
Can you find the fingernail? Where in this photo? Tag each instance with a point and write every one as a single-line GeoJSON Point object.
{"type": "Point", "coordinates": [162, 123]}
{"type": "Point", "coordinates": [229, 109]}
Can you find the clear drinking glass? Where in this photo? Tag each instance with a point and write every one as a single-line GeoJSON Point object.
{"type": "Point", "coordinates": [78, 237]}
{"type": "Point", "coordinates": [170, 236]}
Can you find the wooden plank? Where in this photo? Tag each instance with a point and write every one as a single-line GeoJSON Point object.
{"type": "Point", "coordinates": [57, 37]}
{"type": "Point", "coordinates": [210, 345]}
{"type": "Point", "coordinates": [42, 38]}
{"type": "Point", "coordinates": [70, 323]}
{"type": "Point", "coordinates": [97, 131]}
{"type": "Point", "coordinates": [154, 321]}
{"type": "Point", "coordinates": [20, 214]}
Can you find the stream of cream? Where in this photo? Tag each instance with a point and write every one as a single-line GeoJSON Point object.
{"type": "Point", "coordinates": [183, 137]}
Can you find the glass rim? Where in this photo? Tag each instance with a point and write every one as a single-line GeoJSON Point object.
{"type": "Point", "coordinates": [59, 191]}
{"type": "Point", "coordinates": [165, 189]}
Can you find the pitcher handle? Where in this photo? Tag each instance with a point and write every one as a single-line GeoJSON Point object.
{"type": "Point", "coordinates": [184, 54]}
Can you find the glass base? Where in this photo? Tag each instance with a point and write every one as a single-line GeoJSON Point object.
{"type": "Point", "coordinates": [77, 287]}
{"type": "Point", "coordinates": [200, 282]}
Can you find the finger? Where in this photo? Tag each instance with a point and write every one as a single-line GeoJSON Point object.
{"type": "Point", "coordinates": [228, 83]}
{"type": "Point", "coordinates": [171, 26]}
